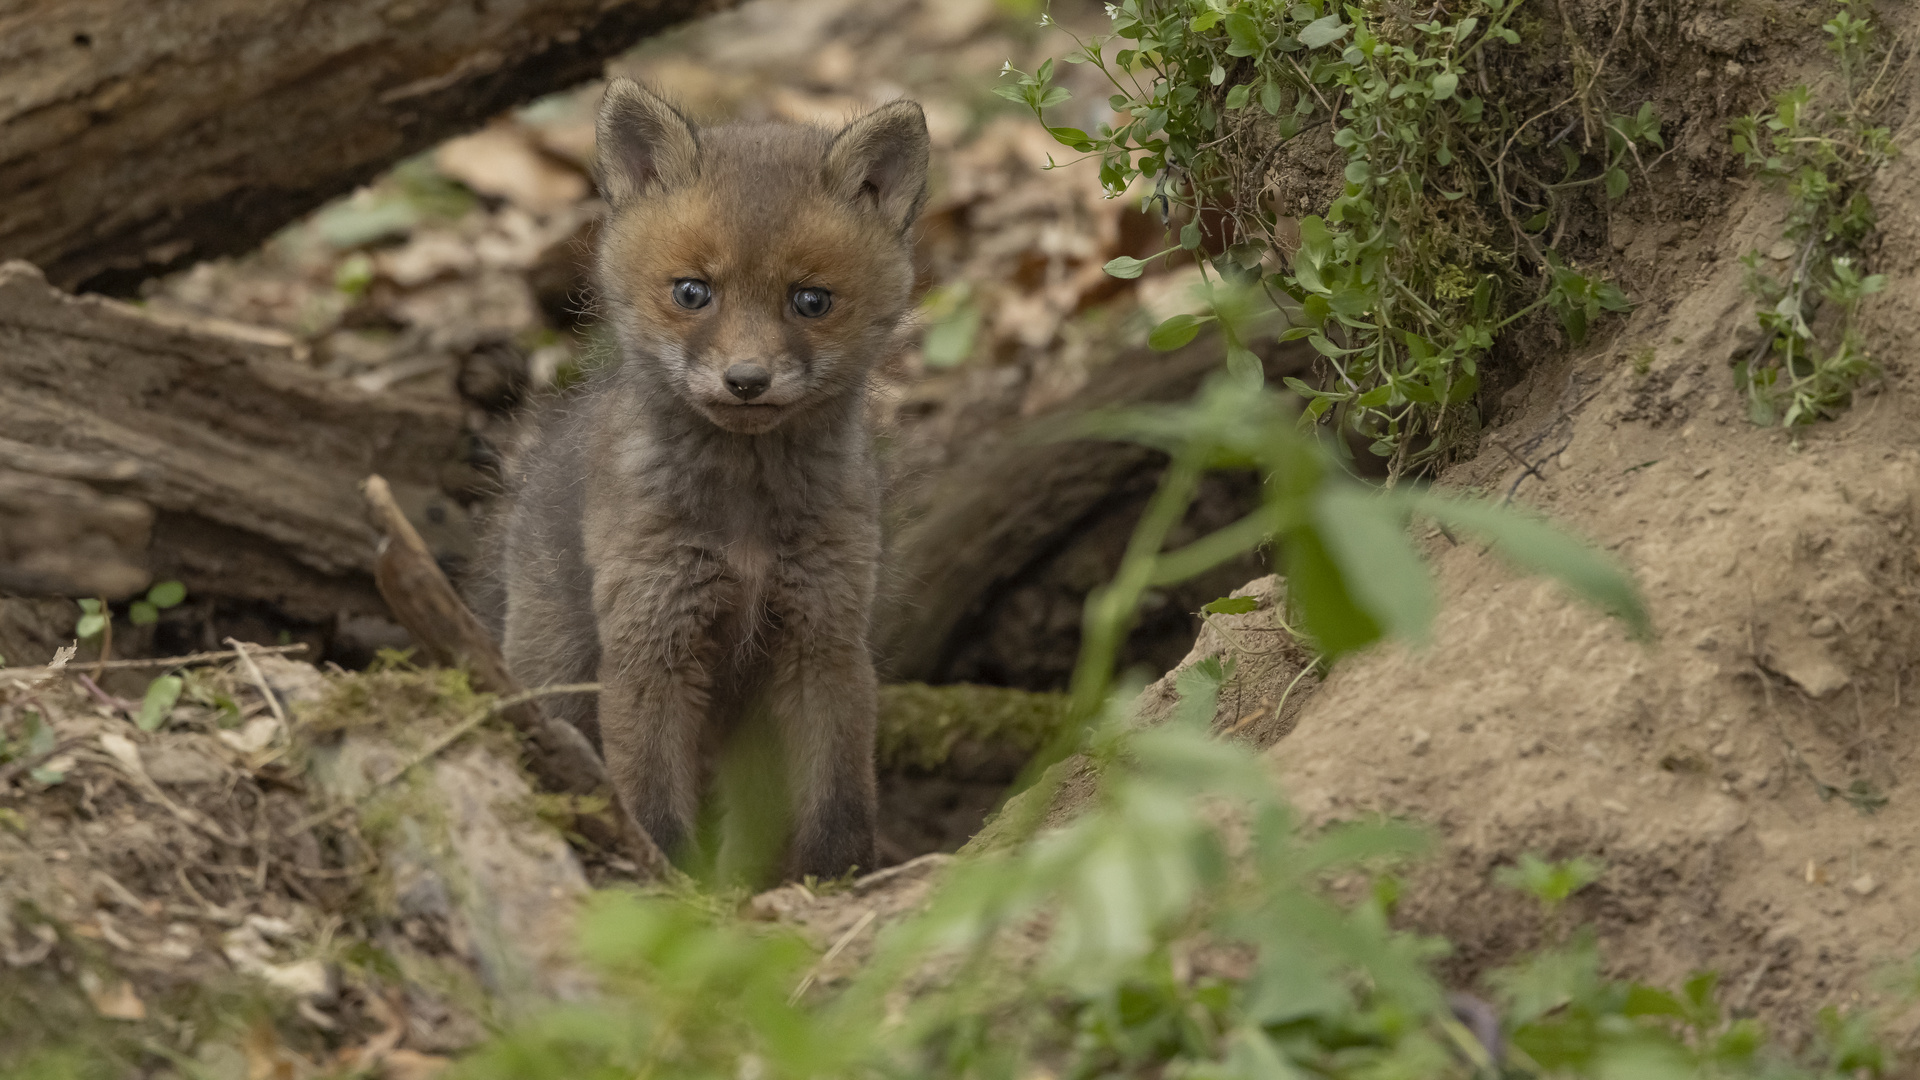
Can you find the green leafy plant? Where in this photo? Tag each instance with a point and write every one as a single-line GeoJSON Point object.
{"type": "Point", "coordinates": [30, 738]}
{"type": "Point", "coordinates": [93, 619]}
{"type": "Point", "coordinates": [146, 611]}
{"type": "Point", "coordinates": [157, 704]}
{"type": "Point", "coordinates": [96, 616]}
{"type": "Point", "coordinates": [1439, 240]}
{"type": "Point", "coordinates": [1823, 151]}
{"type": "Point", "coordinates": [1549, 882]}
{"type": "Point", "coordinates": [953, 325]}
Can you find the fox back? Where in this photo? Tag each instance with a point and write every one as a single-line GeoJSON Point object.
{"type": "Point", "coordinates": [697, 529]}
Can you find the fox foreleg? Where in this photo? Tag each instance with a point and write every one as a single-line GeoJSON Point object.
{"type": "Point", "coordinates": [824, 701]}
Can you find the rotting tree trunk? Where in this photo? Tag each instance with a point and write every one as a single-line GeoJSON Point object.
{"type": "Point", "coordinates": [138, 135]}
{"type": "Point", "coordinates": [248, 463]}
{"type": "Point", "coordinates": [1001, 513]}
{"type": "Point", "coordinates": [59, 535]}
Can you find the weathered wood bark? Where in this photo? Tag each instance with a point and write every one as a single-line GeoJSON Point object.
{"type": "Point", "coordinates": [137, 135]}
{"type": "Point", "coordinates": [250, 462]}
{"type": "Point", "coordinates": [424, 601]}
{"type": "Point", "coordinates": [59, 536]}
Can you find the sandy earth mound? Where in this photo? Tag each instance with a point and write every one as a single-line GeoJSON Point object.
{"type": "Point", "coordinates": [1741, 776]}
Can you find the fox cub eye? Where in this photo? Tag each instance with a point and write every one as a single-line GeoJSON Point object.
{"type": "Point", "coordinates": [811, 303]}
{"type": "Point", "coordinates": [692, 293]}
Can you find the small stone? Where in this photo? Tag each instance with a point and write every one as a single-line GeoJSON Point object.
{"type": "Point", "coordinates": [1824, 626]}
{"type": "Point", "coordinates": [1781, 251]}
{"type": "Point", "coordinates": [309, 979]}
{"type": "Point", "coordinates": [1735, 69]}
{"type": "Point", "coordinates": [1701, 472]}
{"type": "Point", "coordinates": [115, 1001]}
{"type": "Point", "coordinates": [1864, 885]}
{"type": "Point", "coordinates": [1810, 666]}
{"type": "Point", "coordinates": [1613, 806]}
{"type": "Point", "coordinates": [1421, 740]}
{"type": "Point", "coordinates": [1723, 750]}
{"type": "Point", "coordinates": [253, 736]}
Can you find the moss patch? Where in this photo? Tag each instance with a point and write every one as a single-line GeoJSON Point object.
{"type": "Point", "coordinates": [920, 725]}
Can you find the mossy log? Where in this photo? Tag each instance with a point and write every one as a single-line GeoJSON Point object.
{"type": "Point", "coordinates": [965, 732]}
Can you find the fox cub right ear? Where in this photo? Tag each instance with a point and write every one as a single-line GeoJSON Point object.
{"type": "Point", "coordinates": [641, 141]}
{"type": "Point", "coordinates": [880, 160]}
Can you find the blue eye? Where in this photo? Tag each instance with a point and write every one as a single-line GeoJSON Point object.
{"type": "Point", "coordinates": [811, 303]}
{"type": "Point", "coordinates": [692, 293]}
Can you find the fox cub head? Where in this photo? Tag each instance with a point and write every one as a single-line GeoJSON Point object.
{"type": "Point", "coordinates": [756, 270]}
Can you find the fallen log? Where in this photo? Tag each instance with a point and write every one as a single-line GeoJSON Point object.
{"type": "Point", "coordinates": [198, 450]}
{"type": "Point", "coordinates": [61, 537]}
{"type": "Point", "coordinates": [137, 136]}
{"type": "Point", "coordinates": [995, 518]}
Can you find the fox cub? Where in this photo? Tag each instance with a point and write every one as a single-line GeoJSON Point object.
{"type": "Point", "coordinates": [698, 530]}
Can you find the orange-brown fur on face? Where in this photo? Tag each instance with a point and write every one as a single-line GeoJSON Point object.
{"type": "Point", "coordinates": [759, 223]}
{"type": "Point", "coordinates": [701, 555]}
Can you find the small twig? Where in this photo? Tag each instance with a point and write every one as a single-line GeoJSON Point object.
{"type": "Point", "coordinates": [28, 678]}
{"type": "Point", "coordinates": [106, 638]}
{"type": "Point", "coordinates": [215, 912]}
{"type": "Point", "coordinates": [1237, 726]}
{"type": "Point", "coordinates": [814, 972]}
{"type": "Point", "coordinates": [117, 704]}
{"type": "Point", "coordinates": [190, 816]}
{"type": "Point", "coordinates": [1529, 467]}
{"type": "Point", "coordinates": [260, 680]}
{"type": "Point", "coordinates": [438, 744]}
{"type": "Point", "coordinates": [1518, 480]}
{"type": "Point", "coordinates": [453, 734]}
{"type": "Point", "coordinates": [125, 895]}
{"type": "Point", "coordinates": [152, 662]}
{"type": "Point", "coordinates": [1281, 709]}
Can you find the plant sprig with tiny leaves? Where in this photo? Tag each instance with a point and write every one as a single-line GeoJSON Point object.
{"type": "Point", "coordinates": [1823, 150]}
{"type": "Point", "coordinates": [1442, 236]}
{"type": "Point", "coordinates": [94, 613]}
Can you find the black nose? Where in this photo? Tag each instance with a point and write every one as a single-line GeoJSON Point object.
{"type": "Point", "coordinates": [748, 381]}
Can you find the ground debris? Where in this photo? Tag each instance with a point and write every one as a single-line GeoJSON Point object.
{"type": "Point", "coordinates": [150, 880]}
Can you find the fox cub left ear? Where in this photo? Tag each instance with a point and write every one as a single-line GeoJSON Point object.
{"type": "Point", "coordinates": [641, 142]}
{"type": "Point", "coordinates": [880, 160]}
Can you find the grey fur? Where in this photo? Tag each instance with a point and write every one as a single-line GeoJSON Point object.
{"type": "Point", "coordinates": [693, 563]}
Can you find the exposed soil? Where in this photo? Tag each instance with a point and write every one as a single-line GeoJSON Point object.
{"type": "Point", "coordinates": [1742, 777]}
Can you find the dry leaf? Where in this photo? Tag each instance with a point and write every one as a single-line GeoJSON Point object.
{"type": "Point", "coordinates": [503, 162]}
